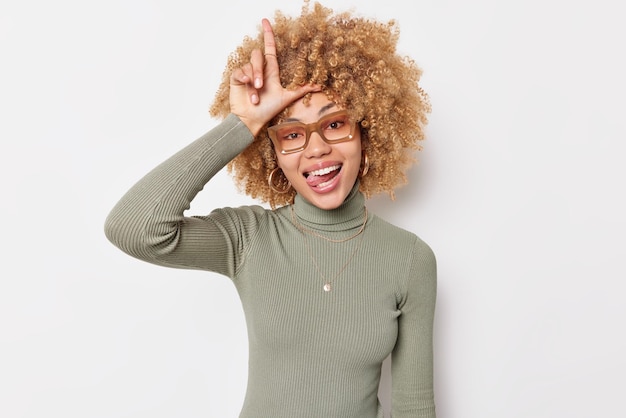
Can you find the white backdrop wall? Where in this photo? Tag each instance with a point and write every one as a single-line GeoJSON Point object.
{"type": "Point", "coordinates": [519, 190]}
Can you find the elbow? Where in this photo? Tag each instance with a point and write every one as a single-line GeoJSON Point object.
{"type": "Point", "coordinates": [119, 233]}
{"type": "Point", "coordinates": [138, 239]}
{"type": "Point", "coordinates": [126, 234]}
{"type": "Point", "coordinates": [112, 230]}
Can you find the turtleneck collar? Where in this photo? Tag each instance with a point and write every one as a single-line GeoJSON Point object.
{"type": "Point", "coordinates": [349, 215]}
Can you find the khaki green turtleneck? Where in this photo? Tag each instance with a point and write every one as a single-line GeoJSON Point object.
{"type": "Point", "coordinates": [312, 353]}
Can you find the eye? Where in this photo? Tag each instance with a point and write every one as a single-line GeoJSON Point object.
{"type": "Point", "coordinates": [291, 136]}
{"type": "Point", "coordinates": [290, 133]}
{"type": "Point", "coordinates": [336, 125]}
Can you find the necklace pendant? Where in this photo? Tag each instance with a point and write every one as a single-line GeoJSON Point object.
{"type": "Point", "coordinates": [327, 287]}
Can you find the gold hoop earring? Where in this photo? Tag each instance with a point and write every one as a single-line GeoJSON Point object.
{"type": "Point", "coordinates": [281, 185]}
{"type": "Point", "coordinates": [366, 165]}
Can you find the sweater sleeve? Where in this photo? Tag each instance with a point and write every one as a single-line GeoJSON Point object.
{"type": "Point", "coordinates": [149, 223]}
{"type": "Point", "coordinates": [412, 357]}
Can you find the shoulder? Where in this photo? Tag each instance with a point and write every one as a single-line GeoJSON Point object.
{"type": "Point", "coordinates": [413, 256]}
{"type": "Point", "coordinates": [244, 215]}
{"type": "Point", "coordinates": [396, 236]}
{"type": "Point", "coordinates": [242, 211]}
{"type": "Point", "coordinates": [248, 218]}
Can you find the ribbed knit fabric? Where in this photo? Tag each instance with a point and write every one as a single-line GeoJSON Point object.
{"type": "Point", "coordinates": [313, 353]}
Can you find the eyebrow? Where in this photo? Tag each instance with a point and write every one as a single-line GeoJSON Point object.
{"type": "Point", "coordinates": [319, 113]}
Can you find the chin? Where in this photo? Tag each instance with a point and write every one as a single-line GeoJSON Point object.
{"type": "Point", "coordinates": [329, 200]}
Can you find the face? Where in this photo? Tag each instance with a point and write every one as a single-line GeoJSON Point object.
{"type": "Point", "coordinates": [322, 173]}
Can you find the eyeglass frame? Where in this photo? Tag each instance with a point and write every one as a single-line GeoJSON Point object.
{"type": "Point", "coordinates": [309, 128]}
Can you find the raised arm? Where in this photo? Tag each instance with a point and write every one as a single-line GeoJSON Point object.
{"type": "Point", "coordinates": [149, 222]}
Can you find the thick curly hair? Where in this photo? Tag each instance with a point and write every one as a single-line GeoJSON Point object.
{"type": "Point", "coordinates": [355, 61]}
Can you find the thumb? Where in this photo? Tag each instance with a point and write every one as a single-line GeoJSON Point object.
{"type": "Point", "coordinates": [291, 95]}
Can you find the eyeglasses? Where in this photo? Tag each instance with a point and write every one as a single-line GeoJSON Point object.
{"type": "Point", "coordinates": [291, 137]}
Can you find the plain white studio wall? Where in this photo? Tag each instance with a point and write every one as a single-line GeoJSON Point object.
{"type": "Point", "coordinates": [519, 190]}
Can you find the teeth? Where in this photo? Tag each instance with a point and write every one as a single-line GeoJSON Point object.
{"type": "Point", "coordinates": [324, 184]}
{"type": "Point", "coordinates": [323, 171]}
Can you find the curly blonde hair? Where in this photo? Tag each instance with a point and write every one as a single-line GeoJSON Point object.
{"type": "Point", "coordinates": [355, 61]}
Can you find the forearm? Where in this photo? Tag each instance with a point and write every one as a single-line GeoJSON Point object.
{"type": "Point", "coordinates": [146, 222]}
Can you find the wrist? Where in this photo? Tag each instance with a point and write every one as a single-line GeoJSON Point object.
{"type": "Point", "coordinates": [254, 127]}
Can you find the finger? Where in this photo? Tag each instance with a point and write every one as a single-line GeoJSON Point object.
{"type": "Point", "coordinates": [239, 77]}
{"type": "Point", "coordinates": [257, 62]}
{"type": "Point", "coordinates": [253, 93]}
{"type": "Point", "coordinates": [269, 41]}
{"type": "Point", "coordinates": [244, 77]}
{"type": "Point", "coordinates": [297, 93]}
{"type": "Point", "coordinates": [248, 71]}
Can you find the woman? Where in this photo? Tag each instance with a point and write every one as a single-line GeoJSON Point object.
{"type": "Point", "coordinates": [318, 113]}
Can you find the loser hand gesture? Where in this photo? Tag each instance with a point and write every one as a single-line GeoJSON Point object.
{"type": "Point", "coordinates": [256, 94]}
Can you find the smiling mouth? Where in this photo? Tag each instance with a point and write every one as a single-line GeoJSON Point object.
{"type": "Point", "coordinates": [323, 176]}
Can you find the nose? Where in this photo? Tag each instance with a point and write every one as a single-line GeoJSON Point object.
{"type": "Point", "coordinates": [317, 147]}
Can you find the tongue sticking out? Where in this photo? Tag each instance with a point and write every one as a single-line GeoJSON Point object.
{"type": "Point", "coordinates": [317, 179]}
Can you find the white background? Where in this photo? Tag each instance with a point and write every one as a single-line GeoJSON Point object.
{"type": "Point", "coordinates": [519, 190]}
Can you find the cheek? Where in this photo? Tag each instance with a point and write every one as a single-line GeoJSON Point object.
{"type": "Point", "coordinates": [355, 152]}
{"type": "Point", "coordinates": [288, 163]}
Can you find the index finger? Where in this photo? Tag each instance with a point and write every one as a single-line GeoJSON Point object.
{"type": "Point", "coordinates": [268, 38]}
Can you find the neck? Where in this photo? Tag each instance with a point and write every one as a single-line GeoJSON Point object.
{"type": "Point", "coordinates": [347, 216]}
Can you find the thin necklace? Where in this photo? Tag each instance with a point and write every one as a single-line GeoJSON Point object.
{"type": "Point", "coordinates": [328, 283]}
{"type": "Point", "coordinates": [302, 228]}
